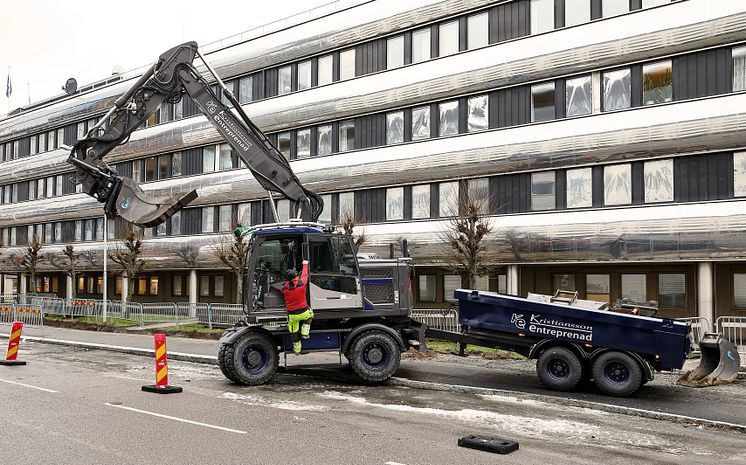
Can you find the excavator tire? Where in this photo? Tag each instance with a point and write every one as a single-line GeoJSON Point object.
{"type": "Point", "coordinates": [251, 360]}
{"type": "Point", "coordinates": [374, 356]}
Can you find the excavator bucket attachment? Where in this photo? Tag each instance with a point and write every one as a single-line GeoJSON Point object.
{"type": "Point", "coordinates": [144, 210]}
{"type": "Point", "coordinates": [719, 363]}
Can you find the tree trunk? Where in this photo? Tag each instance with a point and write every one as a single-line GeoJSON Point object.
{"type": "Point", "coordinates": [239, 288]}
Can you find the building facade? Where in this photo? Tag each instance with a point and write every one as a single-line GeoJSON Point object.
{"type": "Point", "coordinates": [607, 136]}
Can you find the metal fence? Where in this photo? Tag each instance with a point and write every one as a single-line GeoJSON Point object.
{"type": "Point", "coordinates": [442, 319]}
{"type": "Point", "coordinates": [30, 315]}
{"type": "Point", "coordinates": [733, 329]}
{"type": "Point", "coordinates": [700, 326]}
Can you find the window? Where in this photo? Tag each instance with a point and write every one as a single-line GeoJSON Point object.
{"type": "Point", "coordinates": [326, 213]}
{"type": "Point", "coordinates": [477, 31]}
{"type": "Point", "coordinates": [479, 193]}
{"type": "Point", "coordinates": [32, 149]}
{"type": "Point", "coordinates": [542, 102]}
{"type": "Point", "coordinates": [150, 171]}
{"type": "Point", "coordinates": [153, 288]}
{"type": "Point", "coordinates": [542, 190]}
{"type": "Point", "coordinates": [597, 287]}
{"type": "Point", "coordinates": [658, 181]}
{"type": "Point", "coordinates": [283, 144]}
{"type": "Point", "coordinates": [100, 229]}
{"type": "Point", "coordinates": [80, 132]}
{"type": "Point", "coordinates": [177, 285]}
{"type": "Point", "coordinates": [421, 45]}
{"type": "Point", "coordinates": [244, 214]}
{"type": "Point", "coordinates": [395, 127]}
{"type": "Point", "coordinates": [426, 288]}
{"type": "Point", "coordinates": [137, 170]}
{"type": "Point", "coordinates": [652, 3]}
{"type": "Point", "coordinates": [204, 286]}
{"type": "Point", "coordinates": [614, 7]}
{"type": "Point", "coordinates": [284, 80]}
{"type": "Point", "coordinates": [50, 188]}
{"type": "Point", "coordinates": [634, 286]}
{"type": "Point", "coordinates": [303, 143]}
{"type": "Point", "coordinates": [208, 159]}
{"type": "Point", "coordinates": [225, 213]}
{"type": "Point", "coordinates": [478, 117]}
{"type": "Point", "coordinates": [739, 68]}
{"type": "Point", "coordinates": [324, 140]}
{"type": "Point", "coordinates": [578, 96]}
{"type": "Point", "coordinates": [283, 210]}
{"type": "Point", "coordinates": [326, 72]}
{"type": "Point", "coordinates": [502, 283]}
{"type": "Point", "coordinates": [225, 162]}
{"type": "Point", "coordinates": [208, 219]}
{"type": "Point", "coordinates": [176, 164]}
{"type": "Point", "coordinates": [346, 205]}
{"type": "Point", "coordinates": [163, 167]}
{"type": "Point", "coordinates": [346, 135]}
{"type": "Point", "coordinates": [166, 110]}
{"type": "Point", "coordinates": [421, 201]}
{"type": "Point", "coordinates": [739, 174]}
{"type": "Point", "coordinates": [394, 203]}
{"type": "Point", "coordinates": [395, 52]}
{"type": "Point", "coordinates": [245, 91]}
{"type": "Point", "coordinates": [142, 286]}
{"type": "Point", "coordinates": [739, 290]}
{"type": "Point", "coordinates": [218, 286]}
{"type": "Point", "coordinates": [81, 284]}
{"type": "Point", "coordinates": [657, 82]}
{"type": "Point", "coordinates": [672, 290]}
{"type": "Point", "coordinates": [304, 75]}
{"type": "Point", "coordinates": [617, 185]}
{"type": "Point", "coordinates": [542, 16]}
{"type": "Point", "coordinates": [420, 123]}
{"type": "Point", "coordinates": [617, 92]}
{"type": "Point", "coordinates": [448, 199]}
{"type": "Point", "coordinates": [482, 283]}
{"type": "Point", "coordinates": [448, 38]}
{"type": "Point", "coordinates": [565, 282]}
{"type": "Point", "coordinates": [448, 123]}
{"type": "Point", "coordinates": [577, 12]}
{"type": "Point", "coordinates": [579, 188]}
{"type": "Point", "coordinates": [347, 64]}
{"type": "Point", "coordinates": [451, 282]}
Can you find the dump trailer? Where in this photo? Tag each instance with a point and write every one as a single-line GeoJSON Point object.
{"type": "Point", "coordinates": [572, 339]}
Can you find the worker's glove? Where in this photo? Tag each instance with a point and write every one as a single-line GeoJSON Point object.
{"type": "Point", "coordinates": [305, 262]}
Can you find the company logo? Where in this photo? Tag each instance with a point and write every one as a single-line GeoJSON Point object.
{"type": "Point", "coordinates": [212, 107]}
{"type": "Point", "coordinates": [518, 321]}
{"type": "Point", "coordinates": [548, 326]}
{"type": "Point", "coordinates": [125, 205]}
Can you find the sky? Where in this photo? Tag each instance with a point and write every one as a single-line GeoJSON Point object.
{"type": "Point", "coordinates": [45, 42]}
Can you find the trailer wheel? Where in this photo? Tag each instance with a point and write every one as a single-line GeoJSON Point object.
{"type": "Point", "coordinates": [617, 374]}
{"type": "Point", "coordinates": [559, 369]}
{"type": "Point", "coordinates": [374, 356]}
{"type": "Point", "coordinates": [251, 360]}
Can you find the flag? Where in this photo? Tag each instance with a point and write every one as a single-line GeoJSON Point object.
{"type": "Point", "coordinates": [9, 87]}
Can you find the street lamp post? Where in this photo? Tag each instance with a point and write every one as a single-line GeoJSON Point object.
{"type": "Point", "coordinates": [106, 257]}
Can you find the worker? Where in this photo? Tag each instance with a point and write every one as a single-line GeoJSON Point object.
{"type": "Point", "coordinates": [300, 314]}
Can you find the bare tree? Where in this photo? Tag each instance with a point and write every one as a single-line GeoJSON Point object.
{"type": "Point", "coordinates": [69, 263]}
{"type": "Point", "coordinates": [348, 225]}
{"type": "Point", "coordinates": [127, 256]}
{"type": "Point", "coordinates": [464, 236]}
{"type": "Point", "coordinates": [189, 254]}
{"type": "Point", "coordinates": [234, 253]}
{"type": "Point", "coordinates": [30, 260]}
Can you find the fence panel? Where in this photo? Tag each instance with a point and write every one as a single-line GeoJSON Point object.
{"type": "Point", "coordinates": [225, 314]}
{"type": "Point", "coordinates": [700, 326]}
{"type": "Point", "coordinates": [81, 308]}
{"type": "Point", "coordinates": [30, 315]}
{"type": "Point", "coordinates": [161, 312]}
{"type": "Point", "coordinates": [196, 311]}
{"type": "Point", "coordinates": [7, 313]}
{"type": "Point", "coordinates": [444, 320]}
{"type": "Point", "coordinates": [733, 329]}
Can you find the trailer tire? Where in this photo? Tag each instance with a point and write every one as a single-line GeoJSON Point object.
{"type": "Point", "coordinates": [617, 374]}
{"type": "Point", "coordinates": [374, 356]}
{"type": "Point", "coordinates": [251, 360]}
{"type": "Point", "coordinates": [559, 368]}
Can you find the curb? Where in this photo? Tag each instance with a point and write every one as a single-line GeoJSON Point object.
{"type": "Point", "coordinates": [425, 385]}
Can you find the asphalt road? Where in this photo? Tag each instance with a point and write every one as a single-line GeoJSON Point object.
{"type": "Point", "coordinates": [73, 406]}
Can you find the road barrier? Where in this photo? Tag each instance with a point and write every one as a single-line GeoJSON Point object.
{"type": "Point", "coordinates": [224, 314]}
{"type": "Point", "coordinates": [161, 385]}
{"type": "Point", "coordinates": [11, 357]}
{"type": "Point", "coordinates": [30, 315]}
{"type": "Point", "coordinates": [443, 319]}
{"type": "Point", "coordinates": [733, 328]}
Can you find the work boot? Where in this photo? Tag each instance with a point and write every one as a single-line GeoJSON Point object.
{"type": "Point", "coordinates": [296, 348]}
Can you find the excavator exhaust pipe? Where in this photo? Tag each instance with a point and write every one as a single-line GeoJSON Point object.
{"type": "Point", "coordinates": [135, 206]}
{"type": "Point", "coordinates": [719, 363]}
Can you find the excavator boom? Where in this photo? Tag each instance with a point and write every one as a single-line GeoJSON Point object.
{"type": "Point", "coordinates": [164, 82]}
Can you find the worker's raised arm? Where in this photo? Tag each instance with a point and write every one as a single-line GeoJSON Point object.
{"type": "Point", "coordinates": [304, 272]}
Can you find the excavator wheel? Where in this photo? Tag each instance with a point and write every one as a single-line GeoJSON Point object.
{"type": "Point", "coordinates": [251, 360]}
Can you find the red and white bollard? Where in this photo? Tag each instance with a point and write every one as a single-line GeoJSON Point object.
{"type": "Point", "coordinates": [15, 340]}
{"type": "Point", "coordinates": [161, 385]}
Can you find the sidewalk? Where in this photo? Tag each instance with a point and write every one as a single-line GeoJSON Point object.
{"type": "Point", "coordinates": [449, 372]}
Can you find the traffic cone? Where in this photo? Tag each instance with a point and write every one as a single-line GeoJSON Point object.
{"type": "Point", "coordinates": [161, 385]}
{"type": "Point", "coordinates": [15, 340]}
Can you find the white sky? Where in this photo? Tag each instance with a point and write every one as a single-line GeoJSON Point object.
{"type": "Point", "coordinates": [45, 42]}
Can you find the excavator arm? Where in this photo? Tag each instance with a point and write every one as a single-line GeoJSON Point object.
{"type": "Point", "coordinates": [164, 82]}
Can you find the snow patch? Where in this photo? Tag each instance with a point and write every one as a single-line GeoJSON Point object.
{"type": "Point", "coordinates": [512, 400]}
{"type": "Point", "coordinates": [278, 404]}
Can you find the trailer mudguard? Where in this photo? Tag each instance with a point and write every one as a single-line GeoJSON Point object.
{"type": "Point", "coordinates": [231, 334]}
{"type": "Point", "coordinates": [539, 347]}
{"type": "Point", "coordinates": [369, 326]}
